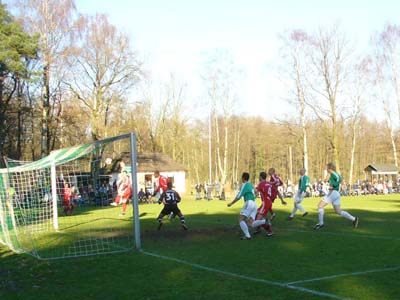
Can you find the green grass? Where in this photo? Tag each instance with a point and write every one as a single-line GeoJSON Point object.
{"type": "Point", "coordinates": [295, 253]}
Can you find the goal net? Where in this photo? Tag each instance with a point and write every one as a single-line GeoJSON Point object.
{"type": "Point", "coordinates": [65, 204]}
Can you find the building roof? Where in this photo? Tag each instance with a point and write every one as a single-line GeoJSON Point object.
{"type": "Point", "coordinates": [382, 168]}
{"type": "Point", "coordinates": [150, 162]}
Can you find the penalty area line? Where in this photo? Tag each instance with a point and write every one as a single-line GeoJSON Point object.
{"type": "Point", "coordinates": [248, 278]}
{"type": "Point", "coordinates": [345, 275]}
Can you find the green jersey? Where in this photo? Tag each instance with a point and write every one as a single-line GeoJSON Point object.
{"type": "Point", "coordinates": [247, 192]}
{"type": "Point", "coordinates": [304, 182]}
{"type": "Point", "coordinates": [334, 181]}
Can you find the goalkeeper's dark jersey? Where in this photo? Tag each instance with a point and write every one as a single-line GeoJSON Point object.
{"type": "Point", "coordinates": [170, 197]}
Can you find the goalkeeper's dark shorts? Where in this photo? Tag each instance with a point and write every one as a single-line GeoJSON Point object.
{"type": "Point", "coordinates": [168, 208]}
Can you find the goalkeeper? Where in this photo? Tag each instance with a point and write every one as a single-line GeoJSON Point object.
{"type": "Point", "coordinates": [170, 198]}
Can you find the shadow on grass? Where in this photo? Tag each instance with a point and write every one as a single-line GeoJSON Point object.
{"type": "Point", "coordinates": [296, 252]}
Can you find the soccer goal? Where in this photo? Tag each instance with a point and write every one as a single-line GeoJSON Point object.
{"type": "Point", "coordinates": [60, 206]}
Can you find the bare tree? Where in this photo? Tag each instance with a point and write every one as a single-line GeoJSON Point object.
{"type": "Point", "coordinates": [53, 20]}
{"type": "Point", "coordinates": [104, 70]}
{"type": "Point", "coordinates": [221, 76]}
{"type": "Point", "coordinates": [388, 44]}
{"type": "Point", "coordinates": [295, 51]}
{"type": "Point", "coordinates": [329, 56]}
{"type": "Point", "coordinates": [386, 80]}
{"type": "Point", "coordinates": [357, 101]}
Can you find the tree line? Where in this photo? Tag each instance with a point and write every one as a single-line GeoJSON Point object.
{"type": "Point", "coordinates": [67, 78]}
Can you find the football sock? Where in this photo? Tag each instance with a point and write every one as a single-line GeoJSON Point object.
{"type": "Point", "coordinates": [321, 215]}
{"type": "Point", "coordinates": [123, 208]}
{"type": "Point", "coordinates": [267, 227]}
{"type": "Point", "coordinates": [182, 219]}
{"type": "Point", "coordinates": [244, 228]}
{"type": "Point", "coordinates": [347, 215]}
{"type": "Point", "coordinates": [258, 223]}
{"type": "Point", "coordinates": [300, 207]}
{"type": "Point", "coordinates": [294, 210]}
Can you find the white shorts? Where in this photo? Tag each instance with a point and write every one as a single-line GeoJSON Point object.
{"type": "Point", "coordinates": [332, 197]}
{"type": "Point", "coordinates": [299, 197]}
{"type": "Point", "coordinates": [249, 209]}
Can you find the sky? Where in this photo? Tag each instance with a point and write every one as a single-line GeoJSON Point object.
{"type": "Point", "coordinates": [175, 37]}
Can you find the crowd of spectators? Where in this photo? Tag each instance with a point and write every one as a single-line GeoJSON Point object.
{"type": "Point", "coordinates": [320, 188]}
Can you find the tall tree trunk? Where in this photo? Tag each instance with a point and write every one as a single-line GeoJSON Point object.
{"type": "Point", "coordinates": [19, 122]}
{"type": "Point", "coordinates": [45, 141]}
{"type": "Point", "coordinates": [335, 141]}
{"type": "Point", "coordinates": [353, 150]}
{"type": "Point", "coordinates": [304, 131]}
{"type": "Point", "coordinates": [392, 132]}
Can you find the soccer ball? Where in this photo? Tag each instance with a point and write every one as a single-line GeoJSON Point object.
{"type": "Point", "coordinates": [108, 161]}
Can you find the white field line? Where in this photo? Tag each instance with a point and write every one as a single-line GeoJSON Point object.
{"type": "Point", "coordinates": [379, 237]}
{"type": "Point", "coordinates": [344, 275]}
{"type": "Point", "coordinates": [248, 278]}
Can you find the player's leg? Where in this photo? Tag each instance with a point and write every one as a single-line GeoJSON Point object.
{"type": "Point", "coordinates": [164, 212]}
{"type": "Point", "coordinates": [281, 198]}
{"type": "Point", "coordinates": [256, 219]}
{"type": "Point", "coordinates": [291, 216]}
{"type": "Point", "coordinates": [116, 200]}
{"type": "Point", "coordinates": [267, 225]}
{"type": "Point", "coordinates": [124, 205]}
{"type": "Point", "coordinates": [298, 204]}
{"type": "Point", "coordinates": [346, 215]}
{"type": "Point", "coordinates": [246, 212]}
{"type": "Point", "coordinates": [321, 212]}
{"type": "Point", "coordinates": [178, 213]}
{"type": "Point", "coordinates": [71, 208]}
{"type": "Point", "coordinates": [259, 216]}
{"type": "Point", "coordinates": [271, 211]}
{"type": "Point", "coordinates": [243, 226]}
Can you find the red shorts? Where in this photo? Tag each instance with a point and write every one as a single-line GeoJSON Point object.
{"type": "Point", "coordinates": [127, 193]}
{"type": "Point", "coordinates": [264, 208]}
{"type": "Point", "coordinates": [67, 202]}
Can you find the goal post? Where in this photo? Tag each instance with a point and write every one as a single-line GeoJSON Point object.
{"type": "Point", "coordinates": [67, 203]}
{"type": "Point", "coordinates": [134, 164]}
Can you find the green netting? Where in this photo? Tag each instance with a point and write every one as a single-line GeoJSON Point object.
{"type": "Point", "coordinates": [33, 215]}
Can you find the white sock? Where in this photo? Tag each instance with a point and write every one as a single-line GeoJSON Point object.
{"type": "Point", "coordinates": [321, 215]}
{"type": "Point", "coordinates": [258, 223]}
{"type": "Point", "coordinates": [244, 228]}
{"type": "Point", "coordinates": [301, 208]}
{"type": "Point", "coordinates": [347, 215]}
{"type": "Point", "coordinates": [293, 211]}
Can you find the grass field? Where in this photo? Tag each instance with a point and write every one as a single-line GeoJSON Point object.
{"type": "Point", "coordinates": [210, 262]}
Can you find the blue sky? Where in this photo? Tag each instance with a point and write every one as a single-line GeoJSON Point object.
{"type": "Point", "coordinates": [174, 36]}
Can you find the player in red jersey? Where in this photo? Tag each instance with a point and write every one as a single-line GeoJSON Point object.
{"type": "Point", "coordinates": [265, 189]}
{"type": "Point", "coordinates": [276, 182]}
{"type": "Point", "coordinates": [125, 191]}
{"type": "Point", "coordinates": [161, 185]}
{"type": "Point", "coordinates": [67, 200]}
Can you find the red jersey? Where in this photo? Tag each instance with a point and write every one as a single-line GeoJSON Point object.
{"type": "Point", "coordinates": [276, 182]}
{"type": "Point", "coordinates": [124, 189]}
{"type": "Point", "coordinates": [162, 184]}
{"type": "Point", "coordinates": [265, 188]}
{"type": "Point", "coordinates": [67, 194]}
